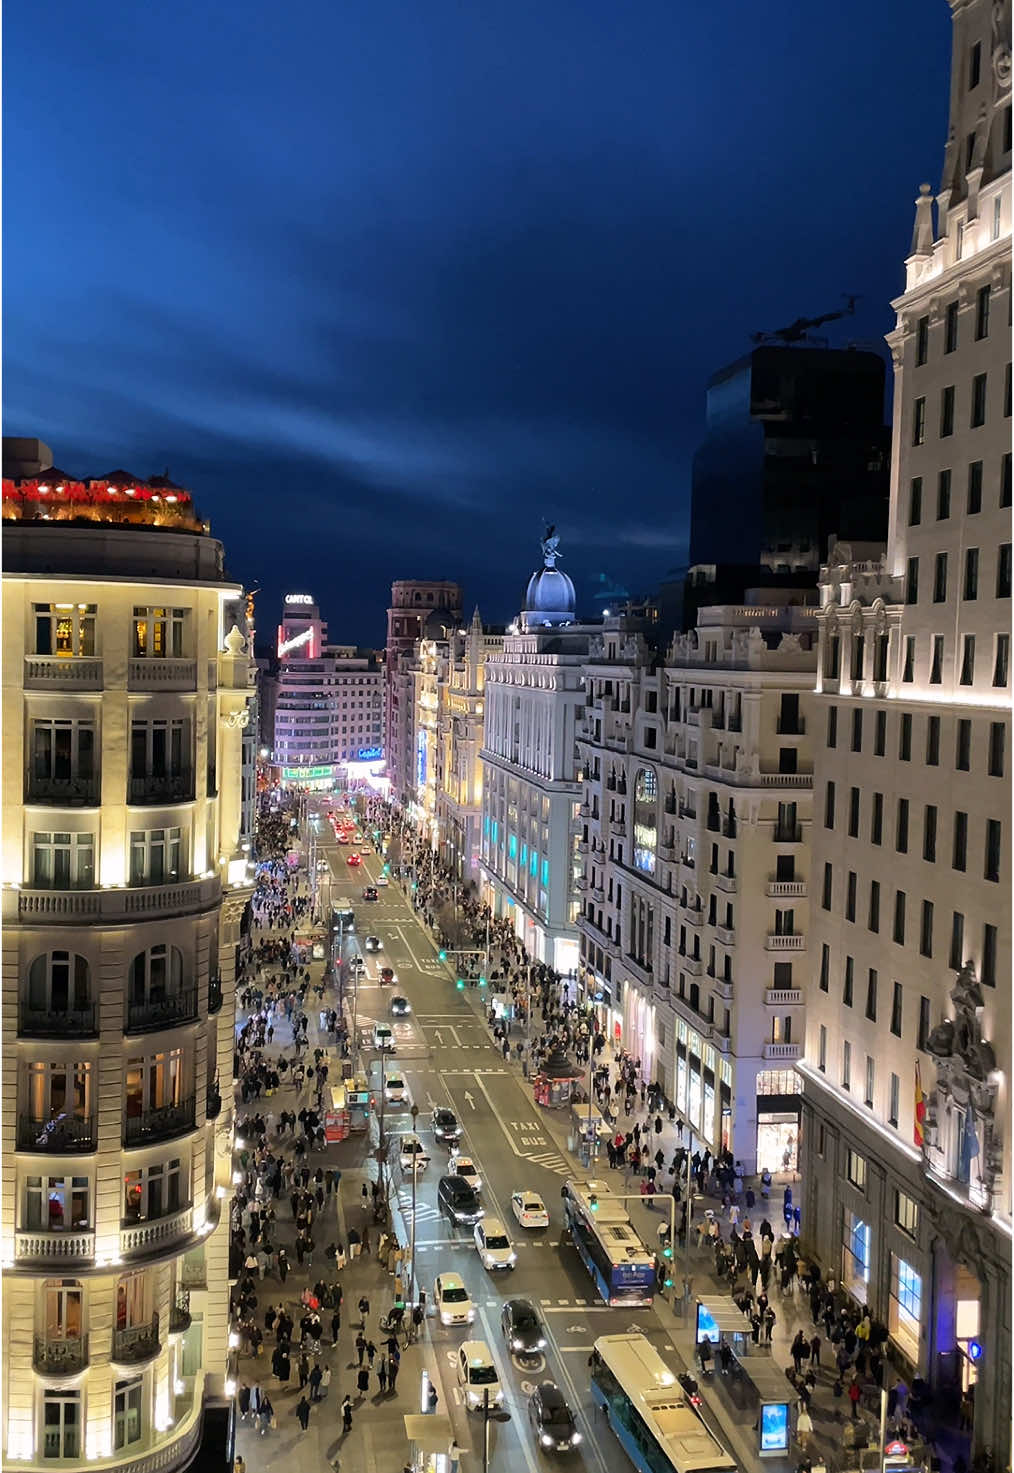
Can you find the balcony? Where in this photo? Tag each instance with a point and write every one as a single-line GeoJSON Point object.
{"type": "Point", "coordinates": [692, 965]}
{"type": "Point", "coordinates": [171, 788]}
{"type": "Point", "coordinates": [791, 726]}
{"type": "Point", "coordinates": [138, 1343]}
{"type": "Point", "coordinates": [726, 935]}
{"type": "Point", "coordinates": [65, 1135]}
{"type": "Point", "coordinates": [693, 915]}
{"type": "Point", "coordinates": [54, 1248]}
{"type": "Point", "coordinates": [786, 889]}
{"type": "Point", "coordinates": [784, 780]}
{"type": "Point", "coordinates": [785, 943]}
{"type": "Point", "coordinates": [726, 883]}
{"type": "Point", "coordinates": [722, 989]}
{"type": "Point", "coordinates": [783, 997]}
{"type": "Point", "coordinates": [789, 833]}
{"type": "Point", "coordinates": [179, 1312]}
{"type": "Point", "coordinates": [158, 674]}
{"type": "Point", "coordinates": [60, 1357]}
{"type": "Point", "coordinates": [87, 907]}
{"type": "Point", "coordinates": [162, 1012]}
{"type": "Point", "coordinates": [159, 1124]}
{"type": "Point", "coordinates": [783, 1052]}
{"type": "Point", "coordinates": [214, 995]}
{"type": "Point", "coordinates": [156, 1233]}
{"type": "Point", "coordinates": [64, 1023]}
{"type": "Point", "coordinates": [53, 672]}
{"type": "Point", "coordinates": [64, 792]}
{"type": "Point", "coordinates": [213, 1104]}
{"type": "Point", "coordinates": [666, 852]}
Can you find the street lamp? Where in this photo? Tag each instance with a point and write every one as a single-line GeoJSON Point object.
{"type": "Point", "coordinates": [487, 1417]}
{"type": "Point", "coordinates": [415, 1169]}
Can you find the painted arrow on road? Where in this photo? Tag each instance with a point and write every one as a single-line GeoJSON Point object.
{"type": "Point", "coordinates": [438, 1036]}
{"type": "Point", "coordinates": [470, 1098]}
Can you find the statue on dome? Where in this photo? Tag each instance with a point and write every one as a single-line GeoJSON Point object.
{"type": "Point", "coordinates": [550, 543]}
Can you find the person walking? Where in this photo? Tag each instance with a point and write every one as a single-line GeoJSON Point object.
{"type": "Point", "coordinates": [364, 1309]}
{"type": "Point", "coordinates": [303, 1413]}
{"type": "Point", "coordinates": [382, 1375]}
{"type": "Point", "coordinates": [815, 1351]}
{"type": "Point", "coordinates": [855, 1392]}
{"type": "Point", "coordinates": [336, 1324]}
{"type": "Point", "coordinates": [266, 1414]}
{"type": "Point", "coordinates": [393, 1369]}
{"type": "Point", "coordinates": [371, 1351]}
{"type": "Point", "coordinates": [316, 1376]}
{"type": "Point", "coordinates": [799, 1349]}
{"type": "Point", "coordinates": [362, 1381]}
{"type": "Point", "coordinates": [360, 1347]}
{"type": "Point", "coordinates": [346, 1415]}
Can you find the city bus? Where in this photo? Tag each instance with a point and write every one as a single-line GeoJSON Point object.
{"type": "Point", "coordinates": [648, 1411]}
{"type": "Point", "coordinates": [622, 1267]}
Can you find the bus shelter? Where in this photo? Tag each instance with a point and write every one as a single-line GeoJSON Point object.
{"type": "Point", "coordinates": [720, 1318]}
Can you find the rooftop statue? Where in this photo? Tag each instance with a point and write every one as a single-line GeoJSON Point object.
{"type": "Point", "coordinates": [550, 544]}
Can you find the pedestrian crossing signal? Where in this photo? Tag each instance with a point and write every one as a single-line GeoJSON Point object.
{"type": "Point", "coordinates": [666, 1252]}
{"type": "Point", "coordinates": [443, 956]}
{"type": "Point", "coordinates": [482, 981]}
{"type": "Point", "coordinates": [593, 1202]}
{"type": "Point", "coordinates": [461, 984]}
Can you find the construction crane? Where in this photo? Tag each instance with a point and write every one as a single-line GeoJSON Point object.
{"type": "Point", "coordinates": [796, 332]}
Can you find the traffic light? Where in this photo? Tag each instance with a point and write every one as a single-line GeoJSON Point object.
{"type": "Point", "coordinates": [593, 1202]}
{"type": "Point", "coordinates": [668, 1283]}
{"type": "Point", "coordinates": [482, 981]}
{"type": "Point", "coordinates": [443, 955]}
{"type": "Point", "coordinates": [387, 869]}
{"type": "Point", "coordinates": [666, 1252]}
{"type": "Point", "coordinates": [461, 984]}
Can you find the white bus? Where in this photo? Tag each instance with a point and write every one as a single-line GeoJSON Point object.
{"type": "Point", "coordinates": [648, 1411]}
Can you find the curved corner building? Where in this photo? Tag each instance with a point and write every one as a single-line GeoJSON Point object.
{"type": "Point", "coordinates": [125, 878]}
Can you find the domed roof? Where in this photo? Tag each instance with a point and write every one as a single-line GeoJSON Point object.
{"type": "Point", "coordinates": [549, 599]}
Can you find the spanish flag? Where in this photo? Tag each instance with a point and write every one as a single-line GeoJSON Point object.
{"type": "Point", "coordinates": [920, 1109]}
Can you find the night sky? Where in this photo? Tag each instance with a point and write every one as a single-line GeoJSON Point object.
{"type": "Point", "coordinates": [388, 284]}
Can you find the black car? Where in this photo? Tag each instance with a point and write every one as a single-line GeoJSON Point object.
{"type": "Point", "coordinates": [522, 1329]}
{"type": "Point", "coordinates": [552, 1419]}
{"type": "Point", "coordinates": [400, 1007]}
{"type": "Point", "coordinates": [459, 1201]}
{"type": "Point", "coordinates": [370, 893]}
{"type": "Point", "coordinates": [445, 1126]}
{"type": "Point", "coordinates": [372, 943]}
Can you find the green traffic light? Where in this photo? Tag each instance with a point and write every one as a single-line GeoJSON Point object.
{"type": "Point", "coordinates": [482, 981]}
{"type": "Point", "coordinates": [442, 955]}
{"type": "Point", "coordinates": [668, 1283]}
{"type": "Point", "coordinates": [461, 984]}
{"type": "Point", "coordinates": [666, 1252]}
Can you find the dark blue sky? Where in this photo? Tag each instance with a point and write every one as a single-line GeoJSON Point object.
{"type": "Point", "coordinates": [388, 283]}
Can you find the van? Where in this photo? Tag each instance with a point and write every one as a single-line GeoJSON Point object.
{"type": "Point", "coordinates": [459, 1201]}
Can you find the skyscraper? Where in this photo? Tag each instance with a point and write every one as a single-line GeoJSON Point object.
{"type": "Point", "coordinates": [907, 1071]}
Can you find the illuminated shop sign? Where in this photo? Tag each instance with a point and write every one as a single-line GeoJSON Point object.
{"type": "Point", "coordinates": [299, 598]}
{"type": "Point", "coordinates": [370, 754]}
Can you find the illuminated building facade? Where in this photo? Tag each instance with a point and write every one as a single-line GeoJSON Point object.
{"type": "Point", "coordinates": [412, 602]}
{"type": "Point", "coordinates": [695, 882]}
{"type": "Point", "coordinates": [530, 777]}
{"type": "Point", "coordinates": [125, 878]}
{"type": "Point", "coordinates": [907, 1097]}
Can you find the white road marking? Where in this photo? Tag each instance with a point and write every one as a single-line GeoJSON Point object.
{"type": "Point", "coordinates": [438, 1036]}
{"type": "Point", "coordinates": [470, 1098]}
{"type": "Point", "coordinates": [517, 1410]}
{"type": "Point", "coordinates": [566, 1348]}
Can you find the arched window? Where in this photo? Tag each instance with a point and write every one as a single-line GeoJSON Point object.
{"type": "Point", "coordinates": [156, 974]}
{"type": "Point", "coordinates": [645, 820]}
{"type": "Point", "coordinates": [58, 983]}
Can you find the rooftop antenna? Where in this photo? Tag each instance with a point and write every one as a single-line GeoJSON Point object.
{"type": "Point", "coordinates": [797, 332]}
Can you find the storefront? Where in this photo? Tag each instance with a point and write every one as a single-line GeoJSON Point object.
{"type": "Point", "coordinates": [779, 1099]}
{"type": "Point", "coordinates": [697, 1090]}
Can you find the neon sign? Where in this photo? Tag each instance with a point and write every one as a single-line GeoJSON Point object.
{"type": "Point", "coordinates": [295, 643]}
{"type": "Point", "coordinates": [370, 754]}
{"type": "Point", "coordinates": [299, 598]}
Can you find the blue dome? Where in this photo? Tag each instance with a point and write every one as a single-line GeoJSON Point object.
{"type": "Point", "coordinates": [549, 600]}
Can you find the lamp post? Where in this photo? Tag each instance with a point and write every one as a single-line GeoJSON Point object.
{"type": "Point", "coordinates": [487, 1417]}
{"type": "Point", "coordinates": [415, 1171]}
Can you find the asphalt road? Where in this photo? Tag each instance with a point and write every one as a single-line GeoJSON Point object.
{"type": "Point", "coordinates": [447, 1057]}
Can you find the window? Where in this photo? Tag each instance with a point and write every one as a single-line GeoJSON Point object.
{"type": "Point", "coordinates": [978, 417]}
{"type": "Point", "coordinates": [856, 1170]}
{"type": "Point", "coordinates": [905, 738]}
{"type": "Point", "coordinates": [61, 1424]}
{"type": "Point", "coordinates": [1001, 661]}
{"type": "Point", "coordinates": [987, 972]}
{"type": "Point", "coordinates": [991, 868]}
{"type": "Point", "coordinates": [874, 921]}
{"type": "Point", "coordinates": [151, 1192]}
{"type": "Point", "coordinates": [919, 420]}
{"type": "Point", "coordinates": [924, 1023]}
{"type": "Point", "coordinates": [58, 983]}
{"type": "Point", "coordinates": [947, 411]}
{"type": "Point", "coordinates": [857, 727]}
{"type": "Point", "coordinates": [832, 726]}
{"type": "Point", "coordinates": [969, 160]}
{"type": "Point", "coordinates": [926, 929]}
{"type": "Point", "coordinates": [937, 660]}
{"type": "Point", "coordinates": [929, 833]}
{"type": "Point", "coordinates": [159, 749]}
{"type": "Point", "coordinates": [870, 1079]}
{"type": "Point", "coordinates": [997, 740]}
{"type": "Point", "coordinates": [912, 581]}
{"type": "Point", "coordinates": [1005, 479]}
{"type": "Point", "coordinates": [63, 754]}
{"type": "Point", "coordinates": [921, 341]}
{"type": "Point", "coordinates": [1006, 392]}
{"type": "Point", "coordinates": [967, 660]}
{"type": "Point", "coordinates": [974, 487]}
{"type": "Point", "coordinates": [846, 1065]}
{"type": "Point", "coordinates": [881, 647]}
{"type": "Point", "coordinates": [55, 1204]}
{"type": "Point", "coordinates": [827, 887]}
{"type": "Point", "coordinates": [951, 327]}
{"type": "Point", "coordinates": [877, 819]}
{"type": "Point", "coordinates": [822, 1050]}
{"type": "Point", "coordinates": [982, 313]}
{"type": "Point", "coordinates": [974, 65]}
{"type": "Point", "coordinates": [155, 856]}
{"type": "Point", "coordinates": [850, 896]}
{"type": "Point", "coordinates": [905, 1307]}
{"type": "Point", "coordinates": [127, 1412]}
{"type": "Point", "coordinates": [933, 741]}
{"type": "Point", "coordinates": [63, 861]}
{"type": "Point", "coordinates": [943, 495]}
{"type": "Point", "coordinates": [894, 1096]}
{"type": "Point", "coordinates": [65, 630]}
{"type": "Point", "coordinates": [158, 633]}
{"type": "Point", "coordinates": [871, 994]}
{"type": "Point", "coordinates": [997, 217]}
{"type": "Point", "coordinates": [963, 745]}
{"type": "Point", "coordinates": [853, 813]}
{"type": "Point", "coordinates": [848, 982]}
{"type": "Point", "coordinates": [940, 578]}
{"type": "Point", "coordinates": [856, 1257]}
{"type": "Point", "coordinates": [153, 1082]}
{"type": "Point", "coordinates": [971, 588]}
{"type": "Point", "coordinates": [1003, 571]}
{"type": "Point", "coordinates": [908, 669]}
{"type": "Point", "coordinates": [959, 851]}
{"type": "Point", "coordinates": [829, 806]}
{"type": "Point", "coordinates": [906, 1214]}
{"type": "Point", "coordinates": [825, 966]}
{"type": "Point", "coordinates": [957, 940]}
{"type": "Point", "coordinates": [901, 827]}
{"type": "Point", "coordinates": [832, 657]}
{"type": "Point", "coordinates": [880, 732]}
{"type": "Point", "coordinates": [899, 917]}
{"type": "Point", "coordinates": [896, 1009]}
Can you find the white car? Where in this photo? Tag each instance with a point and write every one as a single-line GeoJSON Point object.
{"type": "Point", "coordinates": [395, 1089]}
{"type": "Point", "coordinates": [413, 1150]}
{"type": "Point", "coordinates": [495, 1247]}
{"type": "Point", "coordinates": [453, 1304]}
{"type": "Point", "coordinates": [382, 882]}
{"type": "Point", "coordinates": [458, 1165]}
{"type": "Point", "coordinates": [529, 1209]}
{"type": "Point", "coordinates": [477, 1374]}
{"type": "Point", "coordinates": [383, 1038]}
